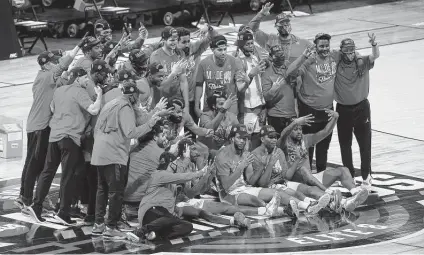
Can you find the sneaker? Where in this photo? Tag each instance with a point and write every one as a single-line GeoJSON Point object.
{"type": "Point", "coordinates": [367, 183]}
{"type": "Point", "coordinates": [19, 202]}
{"type": "Point", "coordinates": [272, 206]}
{"type": "Point", "coordinates": [322, 202]}
{"type": "Point", "coordinates": [139, 235]}
{"type": "Point", "coordinates": [35, 214]}
{"type": "Point", "coordinates": [89, 220]}
{"type": "Point", "coordinates": [353, 202]}
{"type": "Point", "coordinates": [124, 226]}
{"type": "Point", "coordinates": [292, 210]}
{"type": "Point", "coordinates": [240, 220]}
{"type": "Point", "coordinates": [114, 233]}
{"type": "Point", "coordinates": [64, 219]}
{"type": "Point", "coordinates": [98, 229]}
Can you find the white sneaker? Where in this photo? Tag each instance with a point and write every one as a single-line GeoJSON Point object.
{"type": "Point", "coordinates": [272, 206]}
{"type": "Point", "coordinates": [356, 200]}
{"type": "Point", "coordinates": [323, 201]}
{"type": "Point", "coordinates": [367, 184]}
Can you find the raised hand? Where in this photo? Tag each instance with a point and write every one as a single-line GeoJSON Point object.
{"type": "Point", "coordinates": [232, 99]}
{"type": "Point", "coordinates": [305, 120]}
{"type": "Point", "coordinates": [258, 69]}
{"type": "Point", "coordinates": [162, 104]}
{"type": "Point", "coordinates": [165, 112]}
{"type": "Point", "coordinates": [372, 39]}
{"type": "Point", "coordinates": [98, 90]}
{"type": "Point", "coordinates": [142, 32]}
{"type": "Point", "coordinates": [267, 8]}
{"type": "Point", "coordinates": [309, 51]}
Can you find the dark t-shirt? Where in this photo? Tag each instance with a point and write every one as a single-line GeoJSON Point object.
{"type": "Point", "coordinates": [349, 87]}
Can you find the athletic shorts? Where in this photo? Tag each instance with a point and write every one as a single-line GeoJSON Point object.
{"type": "Point", "coordinates": [196, 203]}
{"type": "Point", "coordinates": [294, 185]}
{"type": "Point", "coordinates": [254, 191]}
{"type": "Point", "coordinates": [278, 186]}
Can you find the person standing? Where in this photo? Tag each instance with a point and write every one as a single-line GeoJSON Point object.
{"type": "Point", "coordinates": [351, 94]}
{"type": "Point", "coordinates": [115, 127]}
{"type": "Point", "coordinates": [218, 71]}
{"type": "Point", "coordinates": [292, 45]}
{"type": "Point", "coordinates": [315, 94]}
{"type": "Point", "coordinates": [278, 92]}
{"type": "Point", "coordinates": [173, 64]}
{"type": "Point", "coordinates": [37, 127]}
{"type": "Point", "coordinates": [252, 111]}
{"type": "Point", "coordinates": [92, 49]}
{"type": "Point", "coordinates": [71, 107]}
{"type": "Point", "coordinates": [192, 52]}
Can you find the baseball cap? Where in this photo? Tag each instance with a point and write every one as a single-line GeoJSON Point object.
{"type": "Point", "coordinates": [239, 129]}
{"type": "Point", "coordinates": [243, 37]}
{"type": "Point", "coordinates": [347, 45]}
{"type": "Point", "coordinates": [99, 65]}
{"type": "Point", "coordinates": [138, 57]}
{"type": "Point", "coordinates": [268, 130]}
{"type": "Point", "coordinates": [77, 72]}
{"type": "Point", "coordinates": [101, 25]}
{"type": "Point", "coordinates": [154, 68]}
{"type": "Point", "coordinates": [217, 41]}
{"type": "Point", "coordinates": [45, 57]}
{"type": "Point", "coordinates": [89, 43]}
{"type": "Point", "coordinates": [125, 75]}
{"type": "Point", "coordinates": [108, 47]}
{"type": "Point", "coordinates": [274, 49]}
{"type": "Point", "coordinates": [281, 18]}
{"type": "Point", "coordinates": [129, 87]}
{"type": "Point", "coordinates": [168, 32]}
{"type": "Point", "coordinates": [322, 36]}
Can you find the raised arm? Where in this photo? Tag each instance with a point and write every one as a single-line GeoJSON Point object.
{"type": "Point", "coordinates": [260, 36]}
{"type": "Point", "coordinates": [305, 120]}
{"type": "Point", "coordinates": [375, 49]}
{"type": "Point", "coordinates": [313, 139]}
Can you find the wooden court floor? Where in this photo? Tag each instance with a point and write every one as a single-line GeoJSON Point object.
{"type": "Point", "coordinates": [396, 93]}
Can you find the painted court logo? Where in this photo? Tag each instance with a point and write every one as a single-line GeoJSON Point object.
{"type": "Point", "coordinates": [396, 213]}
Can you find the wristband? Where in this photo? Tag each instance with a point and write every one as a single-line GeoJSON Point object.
{"type": "Point", "coordinates": [373, 45]}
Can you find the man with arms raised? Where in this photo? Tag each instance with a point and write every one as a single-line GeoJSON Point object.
{"type": "Point", "coordinates": [295, 145]}
{"type": "Point", "coordinates": [351, 94]}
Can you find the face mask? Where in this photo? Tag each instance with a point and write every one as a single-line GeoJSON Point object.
{"type": "Point", "coordinates": [284, 30]}
{"type": "Point", "coordinates": [279, 60]}
{"type": "Point", "coordinates": [175, 119]}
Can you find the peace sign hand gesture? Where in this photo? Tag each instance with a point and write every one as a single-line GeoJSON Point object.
{"type": "Point", "coordinates": [266, 8]}
{"type": "Point", "coordinates": [372, 39]}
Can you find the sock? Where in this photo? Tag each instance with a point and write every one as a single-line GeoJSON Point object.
{"type": "Point", "coordinates": [261, 210]}
{"type": "Point", "coordinates": [354, 190]}
{"type": "Point", "coordinates": [302, 205]}
{"type": "Point", "coordinates": [308, 200]}
{"type": "Point", "coordinates": [232, 221]}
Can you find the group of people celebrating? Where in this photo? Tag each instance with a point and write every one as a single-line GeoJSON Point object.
{"type": "Point", "coordinates": [135, 142]}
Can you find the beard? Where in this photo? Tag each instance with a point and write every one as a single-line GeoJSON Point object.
{"type": "Point", "coordinates": [284, 32]}
{"type": "Point", "coordinates": [162, 143]}
{"type": "Point", "coordinates": [175, 119]}
{"type": "Point", "coordinates": [186, 51]}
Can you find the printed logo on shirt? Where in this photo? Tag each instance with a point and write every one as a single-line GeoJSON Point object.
{"type": "Point", "coordinates": [326, 71]}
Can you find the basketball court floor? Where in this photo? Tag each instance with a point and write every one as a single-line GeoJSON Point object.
{"type": "Point", "coordinates": [392, 223]}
